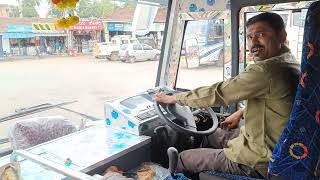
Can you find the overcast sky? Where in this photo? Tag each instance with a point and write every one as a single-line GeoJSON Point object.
{"type": "Point", "coordinates": [11, 2]}
{"type": "Point", "coordinates": [42, 9]}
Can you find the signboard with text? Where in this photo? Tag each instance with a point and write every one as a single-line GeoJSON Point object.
{"type": "Point", "coordinates": [88, 25]}
{"type": "Point", "coordinates": [112, 27]}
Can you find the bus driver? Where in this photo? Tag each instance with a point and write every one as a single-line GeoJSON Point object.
{"type": "Point", "coordinates": [269, 88]}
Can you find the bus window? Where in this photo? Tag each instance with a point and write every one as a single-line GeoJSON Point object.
{"type": "Point", "coordinates": [218, 30]}
{"type": "Point", "coordinates": [294, 22]}
{"type": "Point", "coordinates": [46, 70]}
{"type": "Point", "coordinates": [299, 18]}
{"type": "Point", "coordinates": [202, 57]}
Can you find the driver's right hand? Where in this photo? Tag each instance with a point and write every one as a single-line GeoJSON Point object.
{"type": "Point", "coordinates": [163, 98]}
{"type": "Point", "coordinates": [232, 121]}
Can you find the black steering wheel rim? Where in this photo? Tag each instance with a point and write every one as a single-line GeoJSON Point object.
{"type": "Point", "coordinates": [184, 130]}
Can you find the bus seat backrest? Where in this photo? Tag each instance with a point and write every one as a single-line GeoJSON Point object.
{"type": "Point", "coordinates": [297, 151]}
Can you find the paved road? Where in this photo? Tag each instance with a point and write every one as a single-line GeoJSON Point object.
{"type": "Point", "coordinates": [26, 83]}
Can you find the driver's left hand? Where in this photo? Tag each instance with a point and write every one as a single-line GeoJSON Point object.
{"type": "Point", "coordinates": [163, 98]}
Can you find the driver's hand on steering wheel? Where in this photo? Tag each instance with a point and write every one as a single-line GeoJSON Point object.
{"type": "Point", "coordinates": [163, 98]}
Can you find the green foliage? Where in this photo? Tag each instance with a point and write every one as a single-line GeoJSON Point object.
{"type": "Point", "coordinates": [14, 11]}
{"type": "Point", "coordinates": [102, 8]}
{"type": "Point", "coordinates": [131, 3]}
{"type": "Point", "coordinates": [54, 12]}
{"type": "Point", "coordinates": [28, 8]}
{"type": "Point", "coordinates": [85, 9]}
{"type": "Point", "coordinates": [95, 9]}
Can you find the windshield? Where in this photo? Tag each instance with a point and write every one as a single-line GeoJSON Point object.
{"type": "Point", "coordinates": [46, 70]}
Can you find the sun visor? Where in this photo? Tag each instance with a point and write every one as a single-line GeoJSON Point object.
{"type": "Point", "coordinates": [143, 18]}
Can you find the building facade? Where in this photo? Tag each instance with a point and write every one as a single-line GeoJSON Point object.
{"type": "Point", "coordinates": [120, 23]}
{"type": "Point", "coordinates": [84, 35]}
{"type": "Point", "coordinates": [4, 10]}
{"type": "Point", "coordinates": [31, 37]}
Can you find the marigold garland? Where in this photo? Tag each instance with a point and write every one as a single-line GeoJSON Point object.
{"type": "Point", "coordinates": [68, 22]}
{"type": "Point", "coordinates": [66, 4]}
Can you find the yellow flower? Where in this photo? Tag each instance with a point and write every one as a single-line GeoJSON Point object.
{"type": "Point", "coordinates": [61, 5]}
{"type": "Point", "coordinates": [73, 20]}
{"type": "Point", "coordinates": [62, 23]}
{"type": "Point", "coordinates": [71, 3]}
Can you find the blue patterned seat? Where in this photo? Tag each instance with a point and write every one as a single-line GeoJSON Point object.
{"type": "Point", "coordinates": [212, 175]}
{"type": "Point", "coordinates": [298, 150]}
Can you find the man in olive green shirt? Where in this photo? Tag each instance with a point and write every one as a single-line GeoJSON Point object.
{"type": "Point", "coordinates": [268, 86]}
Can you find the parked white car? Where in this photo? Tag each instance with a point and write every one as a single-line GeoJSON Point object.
{"type": "Point", "coordinates": [138, 52]}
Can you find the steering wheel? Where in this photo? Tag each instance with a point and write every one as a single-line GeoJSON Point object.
{"type": "Point", "coordinates": [184, 116]}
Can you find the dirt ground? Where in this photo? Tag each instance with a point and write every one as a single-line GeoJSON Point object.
{"type": "Point", "coordinates": [89, 81]}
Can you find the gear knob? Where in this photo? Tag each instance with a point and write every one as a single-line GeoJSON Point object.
{"type": "Point", "coordinates": [173, 159]}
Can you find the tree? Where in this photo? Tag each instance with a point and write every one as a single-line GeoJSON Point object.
{"type": "Point", "coordinates": [131, 3]}
{"type": "Point", "coordinates": [54, 12]}
{"type": "Point", "coordinates": [102, 8]}
{"type": "Point", "coordinates": [95, 9]}
{"type": "Point", "coordinates": [86, 9]}
{"type": "Point", "coordinates": [14, 11]}
{"type": "Point", "coordinates": [28, 8]}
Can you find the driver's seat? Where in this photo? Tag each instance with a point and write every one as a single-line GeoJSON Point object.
{"type": "Point", "coordinates": [297, 151]}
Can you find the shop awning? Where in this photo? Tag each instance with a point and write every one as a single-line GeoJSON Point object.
{"type": "Point", "coordinates": [13, 35]}
{"type": "Point", "coordinates": [43, 27]}
{"type": "Point", "coordinates": [50, 34]}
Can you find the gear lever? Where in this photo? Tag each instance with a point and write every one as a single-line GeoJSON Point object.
{"type": "Point", "coordinates": [173, 160]}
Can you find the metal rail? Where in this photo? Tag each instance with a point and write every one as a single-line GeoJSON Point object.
{"type": "Point", "coordinates": [50, 165]}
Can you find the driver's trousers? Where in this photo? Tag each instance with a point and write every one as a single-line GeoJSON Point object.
{"type": "Point", "coordinates": [213, 158]}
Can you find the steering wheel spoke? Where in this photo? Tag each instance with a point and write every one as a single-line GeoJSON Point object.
{"type": "Point", "coordinates": [197, 111]}
{"type": "Point", "coordinates": [184, 118]}
{"type": "Point", "coordinates": [191, 127]}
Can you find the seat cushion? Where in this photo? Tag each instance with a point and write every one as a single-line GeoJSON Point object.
{"type": "Point", "coordinates": [35, 131]}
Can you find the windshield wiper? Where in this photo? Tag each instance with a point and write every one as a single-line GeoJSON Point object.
{"type": "Point", "coordinates": [60, 107]}
{"type": "Point", "coordinates": [4, 140]}
{"type": "Point", "coordinates": [34, 109]}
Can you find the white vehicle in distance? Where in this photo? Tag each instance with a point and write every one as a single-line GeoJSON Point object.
{"type": "Point", "coordinates": [138, 52]}
{"type": "Point", "coordinates": [106, 50]}
{"type": "Point", "coordinates": [110, 50]}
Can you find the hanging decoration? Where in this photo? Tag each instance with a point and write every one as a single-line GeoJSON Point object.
{"type": "Point", "coordinates": [63, 5]}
